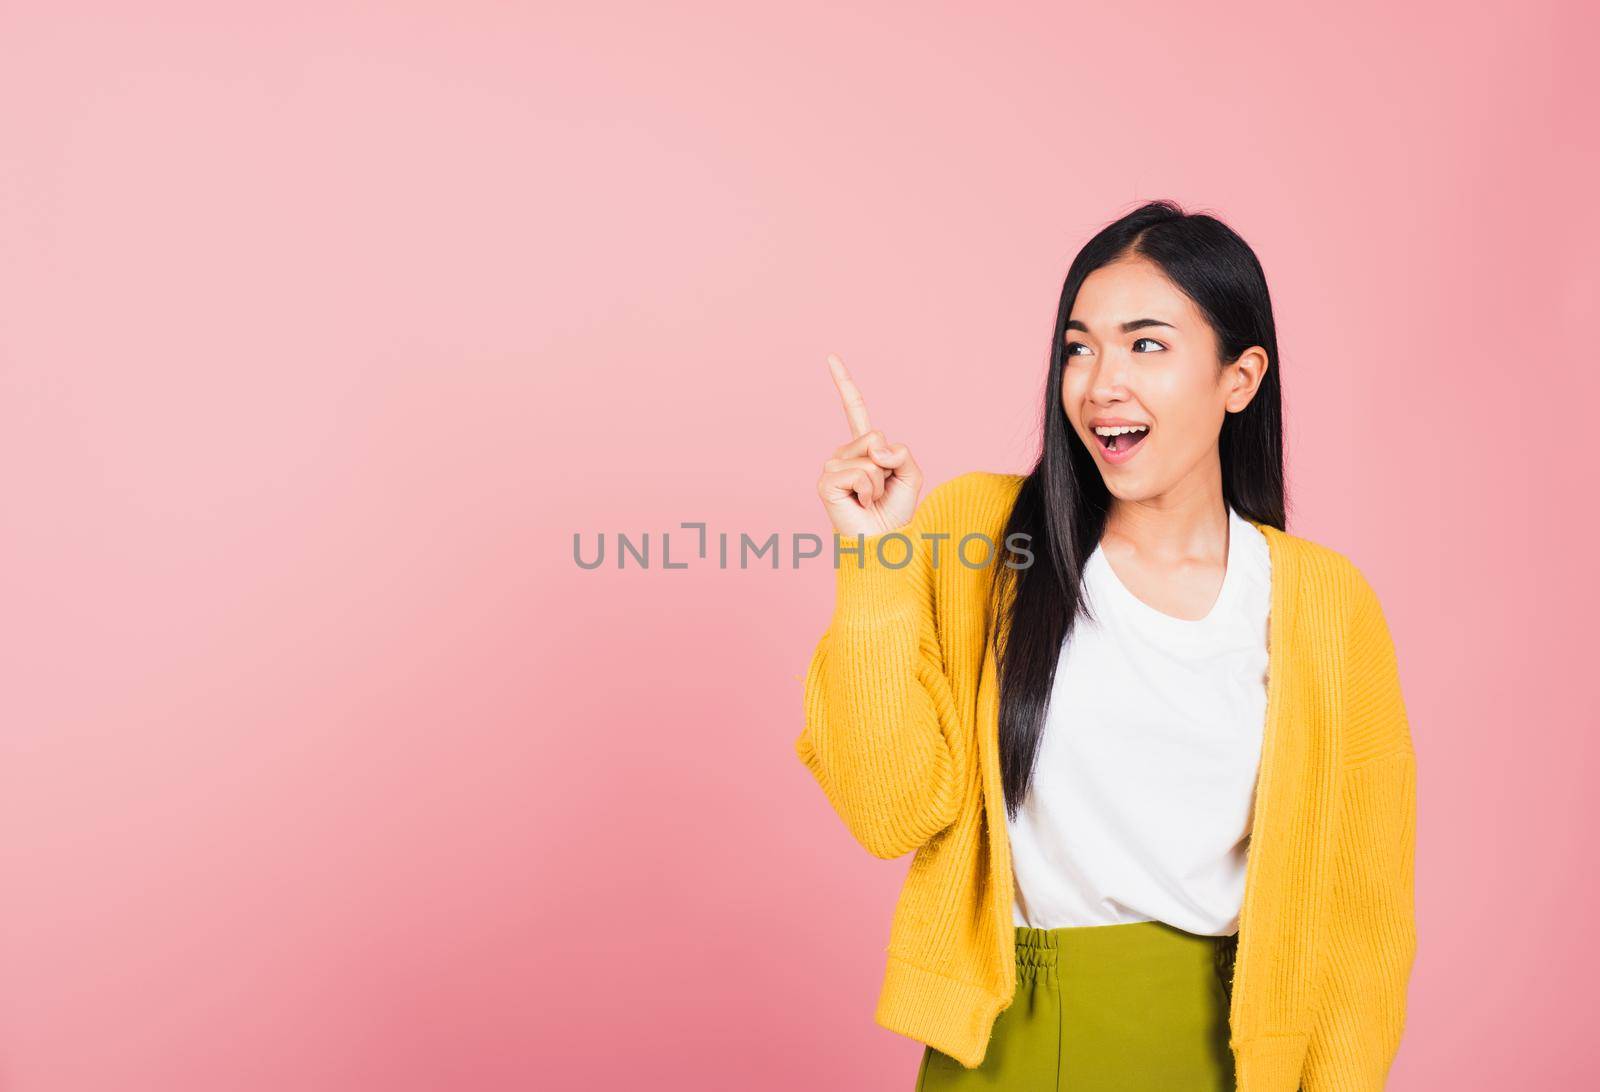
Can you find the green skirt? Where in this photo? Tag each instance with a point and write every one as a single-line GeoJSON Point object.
{"type": "Point", "coordinates": [1107, 1008]}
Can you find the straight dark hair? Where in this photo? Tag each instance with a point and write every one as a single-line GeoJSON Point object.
{"type": "Point", "coordinates": [1064, 502]}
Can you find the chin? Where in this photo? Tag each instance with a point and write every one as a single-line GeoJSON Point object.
{"type": "Point", "coordinates": [1126, 490]}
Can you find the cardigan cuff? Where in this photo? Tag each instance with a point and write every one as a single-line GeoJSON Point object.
{"type": "Point", "coordinates": [876, 578]}
{"type": "Point", "coordinates": [1270, 1063]}
{"type": "Point", "coordinates": [953, 1017]}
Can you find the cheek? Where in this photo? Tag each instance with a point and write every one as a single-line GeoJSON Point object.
{"type": "Point", "coordinates": [1184, 402]}
{"type": "Point", "coordinates": [1073, 390]}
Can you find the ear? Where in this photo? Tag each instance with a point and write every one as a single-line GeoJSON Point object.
{"type": "Point", "coordinates": [1244, 376]}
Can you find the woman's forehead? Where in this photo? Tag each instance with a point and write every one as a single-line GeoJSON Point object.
{"type": "Point", "coordinates": [1127, 291]}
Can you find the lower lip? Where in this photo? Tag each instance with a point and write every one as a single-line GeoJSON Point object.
{"type": "Point", "coordinates": [1117, 458]}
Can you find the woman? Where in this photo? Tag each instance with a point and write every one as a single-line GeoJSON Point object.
{"type": "Point", "coordinates": [1149, 748]}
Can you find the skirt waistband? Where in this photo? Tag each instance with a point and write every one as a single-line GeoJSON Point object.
{"type": "Point", "coordinates": [1101, 947]}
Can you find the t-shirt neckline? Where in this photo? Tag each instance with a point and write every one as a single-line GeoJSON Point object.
{"type": "Point", "coordinates": [1231, 579]}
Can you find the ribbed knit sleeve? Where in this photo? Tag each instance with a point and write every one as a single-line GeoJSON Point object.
{"type": "Point", "coordinates": [1371, 933]}
{"type": "Point", "coordinates": [879, 711]}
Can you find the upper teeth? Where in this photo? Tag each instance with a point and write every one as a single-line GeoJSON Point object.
{"type": "Point", "coordinates": [1118, 430]}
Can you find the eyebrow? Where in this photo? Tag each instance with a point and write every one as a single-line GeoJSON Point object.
{"type": "Point", "coordinates": [1127, 327]}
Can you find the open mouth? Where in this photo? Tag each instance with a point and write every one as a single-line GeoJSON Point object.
{"type": "Point", "coordinates": [1121, 439]}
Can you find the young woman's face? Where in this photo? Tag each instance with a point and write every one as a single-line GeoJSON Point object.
{"type": "Point", "coordinates": [1138, 352]}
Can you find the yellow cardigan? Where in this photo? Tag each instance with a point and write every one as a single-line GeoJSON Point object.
{"type": "Point", "coordinates": [902, 734]}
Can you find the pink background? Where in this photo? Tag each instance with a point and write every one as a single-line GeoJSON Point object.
{"type": "Point", "coordinates": [325, 327]}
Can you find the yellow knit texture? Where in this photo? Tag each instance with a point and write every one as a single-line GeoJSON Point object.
{"type": "Point", "coordinates": [902, 734]}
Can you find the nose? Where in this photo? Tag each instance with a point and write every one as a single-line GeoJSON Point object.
{"type": "Point", "coordinates": [1109, 382]}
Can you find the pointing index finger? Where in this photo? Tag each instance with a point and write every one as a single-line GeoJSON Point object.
{"type": "Point", "coordinates": [855, 407]}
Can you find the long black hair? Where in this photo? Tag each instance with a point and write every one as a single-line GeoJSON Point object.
{"type": "Point", "coordinates": [1063, 504]}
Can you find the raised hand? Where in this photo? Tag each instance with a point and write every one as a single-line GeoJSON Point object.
{"type": "Point", "coordinates": [869, 485]}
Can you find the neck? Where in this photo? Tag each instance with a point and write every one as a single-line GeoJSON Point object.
{"type": "Point", "coordinates": [1184, 524]}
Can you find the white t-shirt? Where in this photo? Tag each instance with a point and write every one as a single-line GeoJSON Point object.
{"type": "Point", "coordinates": [1142, 797]}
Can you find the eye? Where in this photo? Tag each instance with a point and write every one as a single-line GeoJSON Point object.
{"type": "Point", "coordinates": [1151, 340]}
{"type": "Point", "coordinates": [1071, 345]}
